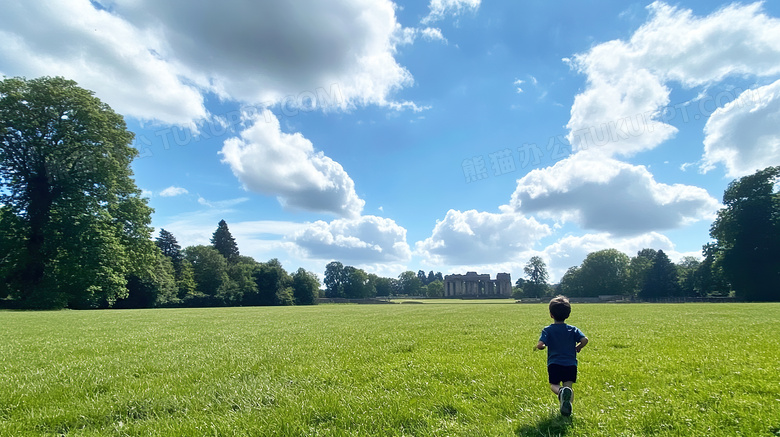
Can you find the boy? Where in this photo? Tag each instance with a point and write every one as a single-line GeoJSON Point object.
{"type": "Point", "coordinates": [564, 342]}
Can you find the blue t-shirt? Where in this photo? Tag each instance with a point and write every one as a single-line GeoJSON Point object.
{"type": "Point", "coordinates": [561, 340]}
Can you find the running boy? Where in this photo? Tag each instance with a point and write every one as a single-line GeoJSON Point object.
{"type": "Point", "coordinates": [563, 342]}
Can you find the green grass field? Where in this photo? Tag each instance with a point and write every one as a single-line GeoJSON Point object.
{"type": "Point", "coordinates": [355, 370]}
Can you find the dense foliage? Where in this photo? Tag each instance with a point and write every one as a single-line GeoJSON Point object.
{"type": "Point", "coordinates": [747, 235]}
{"type": "Point", "coordinates": [75, 226]}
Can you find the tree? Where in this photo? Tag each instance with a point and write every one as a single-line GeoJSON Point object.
{"type": "Point", "coordinates": [274, 285]}
{"type": "Point", "coordinates": [536, 272]}
{"type": "Point", "coordinates": [334, 279]}
{"type": "Point", "coordinates": [305, 286]}
{"type": "Point", "coordinates": [385, 286]}
{"type": "Point", "coordinates": [185, 280]}
{"type": "Point", "coordinates": [747, 235]}
{"type": "Point", "coordinates": [81, 226]}
{"type": "Point", "coordinates": [686, 272]}
{"type": "Point", "coordinates": [241, 275]}
{"type": "Point", "coordinates": [356, 284]}
{"type": "Point", "coordinates": [436, 289]}
{"type": "Point", "coordinates": [638, 268]}
{"type": "Point", "coordinates": [224, 242]}
{"type": "Point", "coordinates": [209, 269]}
{"type": "Point", "coordinates": [154, 287]}
{"type": "Point", "coordinates": [709, 276]}
{"type": "Point", "coordinates": [604, 272]}
{"type": "Point", "coordinates": [170, 248]}
{"type": "Point", "coordinates": [661, 280]}
{"type": "Point", "coordinates": [409, 283]}
{"type": "Point", "coordinates": [423, 277]}
{"type": "Point", "coordinates": [571, 283]}
{"type": "Point", "coordinates": [431, 277]}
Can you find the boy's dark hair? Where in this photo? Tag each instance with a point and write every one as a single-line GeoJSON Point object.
{"type": "Point", "coordinates": [560, 308]}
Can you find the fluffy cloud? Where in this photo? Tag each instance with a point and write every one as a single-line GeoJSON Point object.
{"type": "Point", "coordinates": [441, 8]}
{"type": "Point", "coordinates": [265, 51]}
{"type": "Point", "coordinates": [478, 238]}
{"type": "Point", "coordinates": [603, 194]}
{"type": "Point", "coordinates": [364, 240]}
{"type": "Point", "coordinates": [619, 110]}
{"type": "Point", "coordinates": [154, 60]}
{"type": "Point", "coordinates": [743, 135]}
{"type": "Point", "coordinates": [100, 51]}
{"type": "Point", "coordinates": [272, 162]}
{"type": "Point", "coordinates": [173, 191]}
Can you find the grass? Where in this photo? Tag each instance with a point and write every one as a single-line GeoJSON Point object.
{"type": "Point", "coordinates": [354, 370]}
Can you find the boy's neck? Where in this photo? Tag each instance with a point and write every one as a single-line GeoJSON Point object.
{"type": "Point", "coordinates": [559, 322]}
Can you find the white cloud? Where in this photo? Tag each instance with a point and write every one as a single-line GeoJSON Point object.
{"type": "Point", "coordinates": [619, 110]}
{"type": "Point", "coordinates": [517, 84]}
{"type": "Point", "coordinates": [737, 39]}
{"type": "Point", "coordinates": [173, 191]}
{"type": "Point", "coordinates": [441, 8]}
{"type": "Point", "coordinates": [408, 35]}
{"type": "Point", "coordinates": [433, 34]}
{"type": "Point", "coordinates": [154, 60]}
{"type": "Point", "coordinates": [744, 135]}
{"type": "Point", "coordinates": [360, 241]}
{"type": "Point", "coordinates": [265, 51]}
{"type": "Point", "coordinates": [219, 204]}
{"type": "Point", "coordinates": [473, 237]}
{"type": "Point", "coordinates": [102, 52]}
{"type": "Point", "coordinates": [272, 162]}
{"type": "Point", "coordinates": [604, 194]}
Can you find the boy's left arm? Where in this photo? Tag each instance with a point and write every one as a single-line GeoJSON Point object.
{"type": "Point", "coordinates": [582, 343]}
{"type": "Point", "coordinates": [540, 345]}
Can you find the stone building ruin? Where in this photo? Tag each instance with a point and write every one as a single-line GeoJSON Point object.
{"type": "Point", "coordinates": [475, 285]}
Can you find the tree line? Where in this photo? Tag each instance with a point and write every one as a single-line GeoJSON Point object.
{"type": "Point", "coordinates": [742, 261]}
{"type": "Point", "coordinates": [353, 283]}
{"type": "Point", "coordinates": [216, 275]}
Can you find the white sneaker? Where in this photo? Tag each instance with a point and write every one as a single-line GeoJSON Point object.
{"type": "Point", "coordinates": [565, 396]}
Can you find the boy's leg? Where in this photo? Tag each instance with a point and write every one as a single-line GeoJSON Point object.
{"type": "Point", "coordinates": [556, 388]}
{"type": "Point", "coordinates": [570, 385]}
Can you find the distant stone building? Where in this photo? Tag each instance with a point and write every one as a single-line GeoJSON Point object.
{"type": "Point", "coordinates": [474, 285]}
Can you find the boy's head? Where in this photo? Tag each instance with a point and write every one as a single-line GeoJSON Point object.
{"type": "Point", "coordinates": [560, 308]}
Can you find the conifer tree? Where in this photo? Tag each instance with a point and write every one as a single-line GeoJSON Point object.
{"type": "Point", "coordinates": [224, 242]}
{"type": "Point", "coordinates": [170, 248]}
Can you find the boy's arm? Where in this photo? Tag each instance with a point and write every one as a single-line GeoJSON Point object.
{"type": "Point", "coordinates": [540, 345]}
{"type": "Point", "coordinates": [583, 342]}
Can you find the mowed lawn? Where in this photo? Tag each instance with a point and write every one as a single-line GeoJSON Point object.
{"type": "Point", "coordinates": [404, 369]}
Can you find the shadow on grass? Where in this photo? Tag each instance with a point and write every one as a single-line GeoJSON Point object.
{"type": "Point", "coordinates": [552, 425]}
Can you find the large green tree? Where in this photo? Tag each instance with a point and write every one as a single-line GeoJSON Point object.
{"type": "Point", "coordinates": [604, 272]}
{"type": "Point", "coordinates": [410, 284]}
{"type": "Point", "coordinates": [638, 268]}
{"type": "Point", "coordinates": [335, 279]}
{"type": "Point", "coordinates": [210, 271]}
{"type": "Point", "coordinates": [536, 278]}
{"type": "Point", "coordinates": [79, 226]}
{"type": "Point", "coordinates": [747, 234]}
{"type": "Point", "coordinates": [305, 286]}
{"type": "Point", "coordinates": [661, 280]}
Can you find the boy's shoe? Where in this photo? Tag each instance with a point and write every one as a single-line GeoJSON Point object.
{"type": "Point", "coordinates": [565, 396]}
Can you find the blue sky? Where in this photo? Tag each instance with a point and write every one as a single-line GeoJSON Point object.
{"type": "Point", "coordinates": [452, 135]}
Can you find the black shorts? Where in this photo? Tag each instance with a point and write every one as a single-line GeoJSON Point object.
{"type": "Point", "coordinates": [558, 373]}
